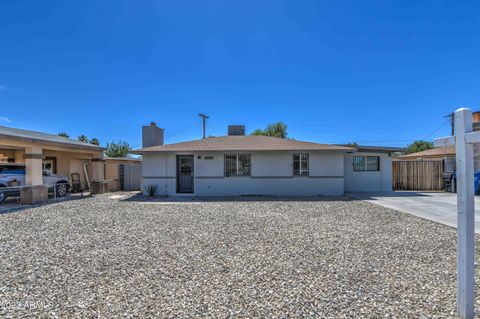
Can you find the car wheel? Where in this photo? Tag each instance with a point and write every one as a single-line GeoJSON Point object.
{"type": "Point", "coordinates": [61, 189]}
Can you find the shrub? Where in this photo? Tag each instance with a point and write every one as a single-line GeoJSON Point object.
{"type": "Point", "coordinates": [151, 190]}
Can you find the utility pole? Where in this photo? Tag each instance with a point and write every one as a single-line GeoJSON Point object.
{"type": "Point", "coordinates": [204, 117]}
{"type": "Point", "coordinates": [452, 121]}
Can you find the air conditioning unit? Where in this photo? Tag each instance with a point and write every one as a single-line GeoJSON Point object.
{"type": "Point", "coordinates": [236, 130]}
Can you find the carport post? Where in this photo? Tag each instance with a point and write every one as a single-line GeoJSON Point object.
{"type": "Point", "coordinates": [464, 140]}
{"type": "Point", "coordinates": [35, 192]}
{"type": "Point", "coordinates": [33, 165]}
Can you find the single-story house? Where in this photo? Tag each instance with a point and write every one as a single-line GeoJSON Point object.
{"type": "Point", "coordinates": [446, 154]}
{"type": "Point", "coordinates": [260, 165]}
{"type": "Point", "coordinates": [42, 151]}
{"type": "Point", "coordinates": [128, 177]}
{"type": "Point", "coordinates": [59, 155]}
{"type": "Point", "coordinates": [438, 153]}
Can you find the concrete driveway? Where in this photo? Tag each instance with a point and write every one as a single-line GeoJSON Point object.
{"type": "Point", "coordinates": [437, 207]}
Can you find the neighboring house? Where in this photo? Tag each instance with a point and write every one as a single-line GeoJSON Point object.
{"type": "Point", "coordinates": [437, 153]}
{"type": "Point", "coordinates": [42, 151]}
{"type": "Point", "coordinates": [128, 176]}
{"type": "Point", "coordinates": [63, 156]}
{"type": "Point", "coordinates": [259, 165]}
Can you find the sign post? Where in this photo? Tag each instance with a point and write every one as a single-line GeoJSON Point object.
{"type": "Point", "coordinates": [464, 140]}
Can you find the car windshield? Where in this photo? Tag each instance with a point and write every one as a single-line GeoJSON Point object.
{"type": "Point", "coordinates": [12, 169]}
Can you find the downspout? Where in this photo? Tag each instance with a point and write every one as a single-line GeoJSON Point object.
{"type": "Point", "coordinates": [166, 175]}
{"type": "Point", "coordinates": [86, 173]}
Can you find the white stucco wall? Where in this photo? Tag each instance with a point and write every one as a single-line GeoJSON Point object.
{"type": "Point", "coordinates": [378, 181]}
{"type": "Point", "coordinates": [271, 174]}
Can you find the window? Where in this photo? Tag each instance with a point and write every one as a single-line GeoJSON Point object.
{"type": "Point", "coordinates": [300, 164]}
{"type": "Point", "coordinates": [237, 165]}
{"type": "Point", "coordinates": [366, 163]}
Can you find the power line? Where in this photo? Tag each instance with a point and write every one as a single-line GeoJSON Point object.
{"type": "Point", "coordinates": [435, 130]}
{"type": "Point", "coordinates": [214, 131]}
{"type": "Point", "coordinates": [451, 118]}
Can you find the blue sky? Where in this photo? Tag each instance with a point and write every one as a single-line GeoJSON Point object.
{"type": "Point", "coordinates": [373, 72]}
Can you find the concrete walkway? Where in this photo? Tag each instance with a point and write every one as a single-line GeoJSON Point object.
{"type": "Point", "coordinates": [437, 207]}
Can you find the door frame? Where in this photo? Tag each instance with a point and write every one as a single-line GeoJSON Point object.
{"type": "Point", "coordinates": [177, 170]}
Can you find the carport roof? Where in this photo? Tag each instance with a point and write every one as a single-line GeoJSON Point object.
{"type": "Point", "coordinates": [34, 136]}
{"type": "Point", "coordinates": [376, 149]}
{"type": "Point", "coordinates": [243, 143]}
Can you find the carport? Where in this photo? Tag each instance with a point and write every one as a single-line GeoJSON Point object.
{"type": "Point", "coordinates": [60, 155]}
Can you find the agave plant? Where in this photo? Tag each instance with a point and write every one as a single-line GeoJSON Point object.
{"type": "Point", "coordinates": [151, 190]}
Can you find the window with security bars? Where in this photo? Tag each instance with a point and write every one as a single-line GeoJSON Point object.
{"type": "Point", "coordinates": [366, 163]}
{"type": "Point", "coordinates": [300, 164]}
{"type": "Point", "coordinates": [237, 164]}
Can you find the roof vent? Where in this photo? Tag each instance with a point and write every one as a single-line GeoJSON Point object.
{"type": "Point", "coordinates": [236, 130]}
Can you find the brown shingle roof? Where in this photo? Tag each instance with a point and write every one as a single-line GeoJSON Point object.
{"type": "Point", "coordinates": [242, 143]}
{"type": "Point", "coordinates": [434, 152]}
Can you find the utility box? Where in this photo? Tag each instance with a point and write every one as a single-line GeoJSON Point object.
{"type": "Point", "coordinates": [449, 165]}
{"type": "Point", "coordinates": [98, 187]}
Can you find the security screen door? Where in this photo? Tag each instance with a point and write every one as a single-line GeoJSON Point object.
{"type": "Point", "coordinates": [184, 173]}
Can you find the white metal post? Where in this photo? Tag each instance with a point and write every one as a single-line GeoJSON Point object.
{"type": "Point", "coordinates": [466, 214]}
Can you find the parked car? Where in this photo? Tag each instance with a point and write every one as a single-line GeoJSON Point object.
{"type": "Point", "coordinates": [12, 175]}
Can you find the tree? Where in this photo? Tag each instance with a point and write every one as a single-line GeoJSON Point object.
{"type": "Point", "coordinates": [258, 132]}
{"type": "Point", "coordinates": [278, 129]}
{"type": "Point", "coordinates": [83, 138]}
{"type": "Point", "coordinates": [119, 149]}
{"type": "Point", "coordinates": [63, 134]}
{"type": "Point", "coordinates": [352, 144]}
{"type": "Point", "coordinates": [418, 146]}
{"type": "Point", "coordinates": [95, 141]}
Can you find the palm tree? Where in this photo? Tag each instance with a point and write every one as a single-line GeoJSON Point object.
{"type": "Point", "coordinates": [83, 138]}
{"type": "Point", "coordinates": [95, 141]}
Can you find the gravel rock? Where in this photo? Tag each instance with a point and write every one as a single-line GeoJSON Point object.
{"type": "Point", "coordinates": [257, 258]}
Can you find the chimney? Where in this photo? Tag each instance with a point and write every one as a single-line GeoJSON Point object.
{"type": "Point", "coordinates": [152, 135]}
{"type": "Point", "coordinates": [236, 130]}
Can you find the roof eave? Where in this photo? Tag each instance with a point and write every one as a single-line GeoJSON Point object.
{"type": "Point", "coordinates": [66, 144]}
{"type": "Point", "coordinates": [143, 151]}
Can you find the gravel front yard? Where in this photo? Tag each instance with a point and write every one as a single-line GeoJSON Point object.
{"type": "Point", "coordinates": [104, 257]}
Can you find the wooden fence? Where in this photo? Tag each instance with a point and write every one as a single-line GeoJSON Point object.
{"type": "Point", "coordinates": [417, 175]}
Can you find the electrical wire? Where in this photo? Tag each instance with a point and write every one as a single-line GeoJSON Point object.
{"type": "Point", "coordinates": [437, 129]}
{"type": "Point", "coordinates": [214, 131]}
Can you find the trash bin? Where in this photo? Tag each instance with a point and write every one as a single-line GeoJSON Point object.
{"type": "Point", "coordinates": [476, 180]}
